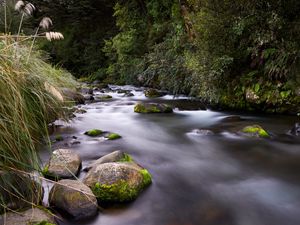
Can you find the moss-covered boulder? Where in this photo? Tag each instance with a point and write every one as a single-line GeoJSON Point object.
{"type": "Point", "coordinates": [255, 131]}
{"type": "Point", "coordinates": [152, 108]}
{"type": "Point", "coordinates": [18, 190]}
{"type": "Point", "coordinates": [32, 216]}
{"type": "Point", "coordinates": [117, 181]}
{"type": "Point", "coordinates": [74, 198]}
{"type": "Point", "coordinates": [113, 136]}
{"type": "Point", "coordinates": [153, 93]}
{"type": "Point", "coordinates": [64, 163]}
{"type": "Point", "coordinates": [116, 156]}
{"type": "Point", "coordinates": [93, 132]}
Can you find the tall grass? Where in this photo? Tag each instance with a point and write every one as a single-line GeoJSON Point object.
{"type": "Point", "coordinates": [27, 105]}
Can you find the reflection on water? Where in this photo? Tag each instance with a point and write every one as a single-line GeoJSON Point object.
{"type": "Point", "coordinates": [219, 179]}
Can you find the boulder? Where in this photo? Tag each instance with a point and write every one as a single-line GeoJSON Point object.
{"type": "Point", "coordinates": [129, 94]}
{"type": "Point", "coordinates": [152, 108]}
{"type": "Point", "coordinates": [74, 198]}
{"type": "Point", "coordinates": [17, 191]}
{"type": "Point", "coordinates": [87, 90]}
{"type": "Point", "coordinates": [117, 181]}
{"type": "Point", "coordinates": [88, 97]}
{"type": "Point", "coordinates": [255, 131]}
{"type": "Point", "coordinates": [116, 156]}
{"type": "Point", "coordinates": [71, 95]}
{"type": "Point", "coordinates": [153, 93]}
{"type": "Point", "coordinates": [34, 216]}
{"type": "Point", "coordinates": [64, 163]}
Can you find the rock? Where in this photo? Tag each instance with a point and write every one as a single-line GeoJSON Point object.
{"type": "Point", "coordinates": [121, 91]}
{"type": "Point", "coordinates": [255, 131]}
{"type": "Point", "coordinates": [152, 108]}
{"type": "Point", "coordinates": [201, 132]}
{"type": "Point", "coordinates": [113, 136]}
{"type": "Point", "coordinates": [87, 90]}
{"type": "Point", "coordinates": [88, 97]}
{"type": "Point", "coordinates": [71, 95]}
{"type": "Point", "coordinates": [80, 111]}
{"type": "Point", "coordinates": [64, 163]}
{"type": "Point", "coordinates": [153, 93]}
{"type": "Point", "coordinates": [74, 198]}
{"type": "Point", "coordinates": [128, 94]}
{"type": "Point", "coordinates": [93, 132]}
{"type": "Point", "coordinates": [33, 216]}
{"type": "Point", "coordinates": [17, 191]}
{"type": "Point", "coordinates": [103, 97]}
{"type": "Point", "coordinates": [116, 156]}
{"type": "Point", "coordinates": [117, 181]}
{"type": "Point", "coordinates": [232, 118]}
{"type": "Point", "coordinates": [295, 130]}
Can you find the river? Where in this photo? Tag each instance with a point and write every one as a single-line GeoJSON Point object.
{"type": "Point", "coordinates": [219, 179]}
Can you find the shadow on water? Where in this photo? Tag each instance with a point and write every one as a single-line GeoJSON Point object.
{"type": "Point", "coordinates": [218, 179]}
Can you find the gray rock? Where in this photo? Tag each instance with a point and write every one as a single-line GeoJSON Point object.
{"type": "Point", "coordinates": [117, 181]}
{"type": "Point", "coordinates": [116, 156]}
{"type": "Point", "coordinates": [64, 163]}
{"type": "Point", "coordinates": [88, 97]}
{"type": "Point", "coordinates": [74, 198]}
{"type": "Point", "coordinates": [152, 108]}
{"type": "Point", "coordinates": [30, 216]}
{"type": "Point", "coordinates": [71, 95]}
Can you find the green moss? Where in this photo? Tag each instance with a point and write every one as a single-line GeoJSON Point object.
{"type": "Point", "coordinates": [140, 108]}
{"type": "Point", "coordinates": [45, 171]}
{"type": "Point", "coordinates": [43, 223]}
{"type": "Point", "coordinates": [147, 178]}
{"type": "Point", "coordinates": [117, 192]}
{"type": "Point", "coordinates": [126, 158]}
{"type": "Point", "coordinates": [93, 133]}
{"type": "Point", "coordinates": [113, 136]}
{"type": "Point", "coordinates": [59, 138]}
{"type": "Point", "coordinates": [256, 130]}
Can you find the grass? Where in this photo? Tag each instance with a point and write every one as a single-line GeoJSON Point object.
{"type": "Point", "coordinates": [29, 100]}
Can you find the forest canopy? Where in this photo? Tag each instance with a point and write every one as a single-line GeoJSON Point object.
{"type": "Point", "coordinates": [227, 52]}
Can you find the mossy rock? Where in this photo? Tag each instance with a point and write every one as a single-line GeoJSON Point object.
{"type": "Point", "coordinates": [255, 131]}
{"type": "Point", "coordinates": [93, 132]}
{"type": "Point", "coordinates": [152, 93]}
{"type": "Point", "coordinates": [113, 136]}
{"type": "Point", "coordinates": [117, 181]}
{"type": "Point", "coordinates": [152, 108]}
{"type": "Point", "coordinates": [74, 198]}
{"type": "Point", "coordinates": [32, 216]}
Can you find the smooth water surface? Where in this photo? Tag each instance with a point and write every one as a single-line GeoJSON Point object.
{"type": "Point", "coordinates": [219, 179]}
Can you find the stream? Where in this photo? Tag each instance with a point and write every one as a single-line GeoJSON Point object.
{"type": "Point", "coordinates": [217, 179]}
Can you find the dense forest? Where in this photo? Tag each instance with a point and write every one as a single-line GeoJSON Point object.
{"type": "Point", "coordinates": [238, 54]}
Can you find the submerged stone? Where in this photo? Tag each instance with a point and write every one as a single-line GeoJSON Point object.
{"type": "Point", "coordinates": [117, 181]}
{"type": "Point", "coordinates": [152, 108]}
{"type": "Point", "coordinates": [74, 198]}
{"type": "Point", "coordinates": [64, 163]}
{"type": "Point", "coordinates": [255, 131]}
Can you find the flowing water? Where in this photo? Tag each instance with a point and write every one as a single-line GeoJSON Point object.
{"type": "Point", "coordinates": [219, 179]}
